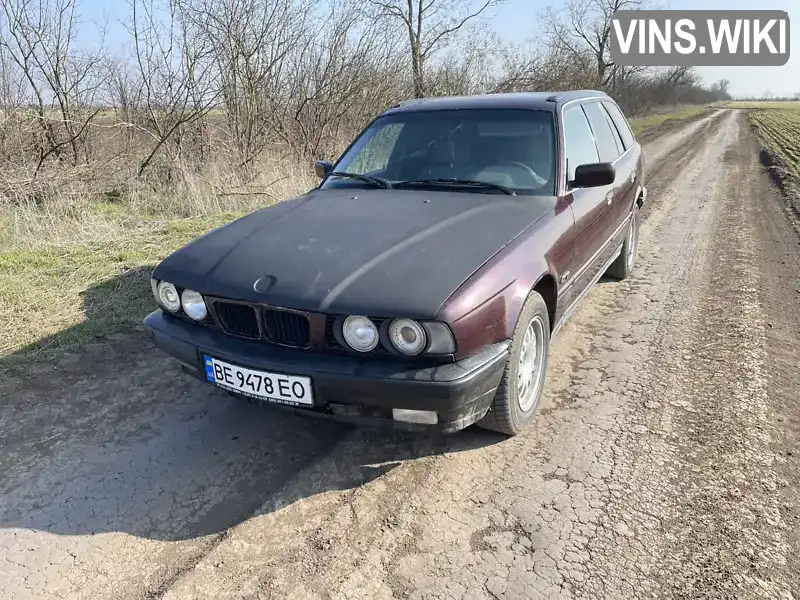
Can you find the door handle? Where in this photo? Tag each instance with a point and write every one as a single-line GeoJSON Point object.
{"type": "Point", "coordinates": [609, 197]}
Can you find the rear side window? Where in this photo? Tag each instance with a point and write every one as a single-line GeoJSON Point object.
{"type": "Point", "coordinates": [620, 144]}
{"type": "Point", "coordinates": [603, 132]}
{"type": "Point", "coordinates": [621, 122]}
{"type": "Point", "coordinates": [578, 141]}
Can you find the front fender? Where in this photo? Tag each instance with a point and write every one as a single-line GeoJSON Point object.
{"type": "Point", "coordinates": [485, 308]}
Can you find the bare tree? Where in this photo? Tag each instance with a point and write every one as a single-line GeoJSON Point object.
{"type": "Point", "coordinates": [721, 89]}
{"type": "Point", "coordinates": [582, 29]}
{"type": "Point", "coordinates": [539, 69]}
{"type": "Point", "coordinates": [123, 89]}
{"type": "Point", "coordinates": [177, 81]}
{"type": "Point", "coordinates": [40, 38]}
{"type": "Point", "coordinates": [222, 96]}
{"type": "Point", "coordinates": [250, 43]}
{"type": "Point", "coordinates": [430, 25]}
{"type": "Point", "coordinates": [466, 67]}
{"type": "Point", "coordinates": [13, 90]}
{"type": "Point", "coordinates": [346, 72]}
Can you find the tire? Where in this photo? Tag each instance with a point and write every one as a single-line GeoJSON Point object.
{"type": "Point", "coordinates": [507, 414]}
{"type": "Point", "coordinates": [621, 268]}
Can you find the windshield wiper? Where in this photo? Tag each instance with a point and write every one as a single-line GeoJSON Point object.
{"type": "Point", "coordinates": [376, 181]}
{"type": "Point", "coordinates": [458, 182]}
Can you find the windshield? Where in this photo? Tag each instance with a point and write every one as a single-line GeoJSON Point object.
{"type": "Point", "coordinates": [503, 148]}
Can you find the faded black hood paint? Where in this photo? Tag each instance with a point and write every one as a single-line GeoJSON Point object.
{"type": "Point", "coordinates": [375, 252]}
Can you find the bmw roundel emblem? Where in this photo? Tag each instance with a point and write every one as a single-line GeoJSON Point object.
{"type": "Point", "coordinates": [264, 283]}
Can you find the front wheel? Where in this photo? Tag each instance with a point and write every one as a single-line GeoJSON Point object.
{"type": "Point", "coordinates": [520, 389]}
{"type": "Point", "coordinates": [623, 266]}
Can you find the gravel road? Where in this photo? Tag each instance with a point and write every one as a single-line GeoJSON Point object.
{"type": "Point", "coordinates": [665, 461]}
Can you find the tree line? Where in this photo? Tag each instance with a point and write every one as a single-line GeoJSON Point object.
{"type": "Point", "coordinates": [194, 81]}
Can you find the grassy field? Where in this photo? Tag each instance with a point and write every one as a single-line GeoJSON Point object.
{"type": "Point", "coordinates": [77, 269]}
{"type": "Point", "coordinates": [59, 296]}
{"type": "Point", "coordinates": [777, 126]}
{"type": "Point", "coordinates": [75, 263]}
{"type": "Point", "coordinates": [758, 105]}
{"type": "Point", "coordinates": [647, 125]}
{"type": "Point", "coordinates": [779, 129]}
{"type": "Point", "coordinates": [68, 277]}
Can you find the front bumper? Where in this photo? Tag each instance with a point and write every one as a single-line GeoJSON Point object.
{"type": "Point", "coordinates": [349, 388]}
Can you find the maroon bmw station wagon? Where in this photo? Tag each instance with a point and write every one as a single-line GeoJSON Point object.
{"type": "Point", "coordinates": [421, 282]}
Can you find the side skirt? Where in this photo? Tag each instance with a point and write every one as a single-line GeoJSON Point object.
{"type": "Point", "coordinates": [568, 313]}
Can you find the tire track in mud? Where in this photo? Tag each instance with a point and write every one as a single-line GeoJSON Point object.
{"type": "Point", "coordinates": [778, 236]}
{"type": "Point", "coordinates": [735, 538]}
{"type": "Point", "coordinates": [712, 524]}
{"type": "Point", "coordinates": [668, 156]}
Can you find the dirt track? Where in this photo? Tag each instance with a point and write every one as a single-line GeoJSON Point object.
{"type": "Point", "coordinates": [665, 461]}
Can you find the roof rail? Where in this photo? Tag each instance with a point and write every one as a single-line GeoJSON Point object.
{"type": "Point", "coordinates": [553, 98]}
{"type": "Point", "coordinates": [401, 103]}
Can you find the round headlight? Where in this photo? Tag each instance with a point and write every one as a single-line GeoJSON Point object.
{"type": "Point", "coordinates": [193, 305]}
{"type": "Point", "coordinates": [168, 296]}
{"type": "Point", "coordinates": [407, 336]}
{"type": "Point", "coordinates": [360, 333]}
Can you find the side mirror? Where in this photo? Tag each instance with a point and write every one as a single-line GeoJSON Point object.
{"type": "Point", "coordinates": [322, 168]}
{"type": "Point", "coordinates": [593, 175]}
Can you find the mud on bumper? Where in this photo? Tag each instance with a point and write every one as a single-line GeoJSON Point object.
{"type": "Point", "coordinates": [348, 388]}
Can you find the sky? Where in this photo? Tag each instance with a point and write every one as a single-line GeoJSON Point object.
{"type": "Point", "coordinates": [516, 22]}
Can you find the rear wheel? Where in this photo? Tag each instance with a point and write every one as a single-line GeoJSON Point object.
{"type": "Point", "coordinates": [520, 390]}
{"type": "Point", "coordinates": [622, 267]}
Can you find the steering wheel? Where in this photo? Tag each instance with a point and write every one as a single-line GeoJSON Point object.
{"type": "Point", "coordinates": [533, 178]}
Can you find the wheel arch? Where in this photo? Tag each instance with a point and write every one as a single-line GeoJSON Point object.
{"type": "Point", "coordinates": [641, 196]}
{"type": "Point", "coordinates": [480, 313]}
{"type": "Point", "coordinates": [547, 288]}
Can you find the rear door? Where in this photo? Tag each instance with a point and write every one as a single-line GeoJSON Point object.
{"type": "Point", "coordinates": [632, 158]}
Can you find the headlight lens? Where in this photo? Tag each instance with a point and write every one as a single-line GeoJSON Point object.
{"type": "Point", "coordinates": [360, 333]}
{"type": "Point", "coordinates": [407, 336]}
{"type": "Point", "coordinates": [193, 305]}
{"type": "Point", "coordinates": [168, 296]}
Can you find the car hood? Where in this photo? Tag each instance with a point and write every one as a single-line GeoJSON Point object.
{"type": "Point", "coordinates": [375, 252]}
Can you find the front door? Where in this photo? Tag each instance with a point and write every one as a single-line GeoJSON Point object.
{"type": "Point", "coordinates": [589, 205]}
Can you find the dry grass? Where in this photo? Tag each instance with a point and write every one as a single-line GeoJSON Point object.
{"type": "Point", "coordinates": [647, 124]}
{"type": "Point", "coordinates": [57, 297]}
{"type": "Point", "coordinates": [75, 264]}
{"type": "Point", "coordinates": [65, 209]}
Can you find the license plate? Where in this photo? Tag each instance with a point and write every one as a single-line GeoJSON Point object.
{"type": "Point", "coordinates": [275, 387]}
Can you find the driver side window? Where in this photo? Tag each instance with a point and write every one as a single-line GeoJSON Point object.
{"type": "Point", "coordinates": [579, 145]}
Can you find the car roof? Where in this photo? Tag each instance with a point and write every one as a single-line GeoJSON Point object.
{"type": "Point", "coordinates": [549, 101]}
